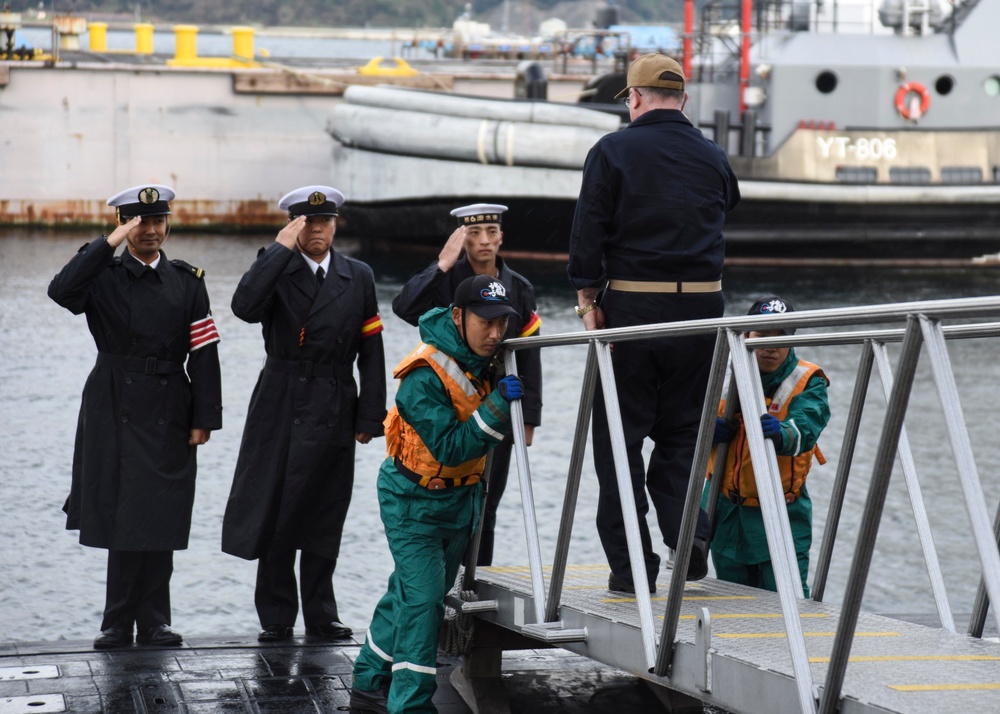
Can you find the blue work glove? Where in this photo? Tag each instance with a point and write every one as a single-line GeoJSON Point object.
{"type": "Point", "coordinates": [771, 426]}
{"type": "Point", "coordinates": [724, 430]}
{"type": "Point", "coordinates": [510, 387]}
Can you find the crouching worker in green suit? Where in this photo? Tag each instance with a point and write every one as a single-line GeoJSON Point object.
{"type": "Point", "coordinates": [446, 419]}
{"type": "Point", "coordinates": [798, 410]}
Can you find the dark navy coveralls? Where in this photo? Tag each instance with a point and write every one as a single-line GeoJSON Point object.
{"type": "Point", "coordinates": [652, 207]}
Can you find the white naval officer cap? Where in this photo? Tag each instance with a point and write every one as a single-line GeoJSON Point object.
{"type": "Point", "coordinates": [148, 199]}
{"type": "Point", "coordinates": [312, 201]}
{"type": "Point", "coordinates": [479, 213]}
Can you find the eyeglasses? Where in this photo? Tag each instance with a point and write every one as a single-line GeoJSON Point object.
{"type": "Point", "coordinates": [628, 97]}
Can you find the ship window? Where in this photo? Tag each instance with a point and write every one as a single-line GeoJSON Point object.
{"type": "Point", "coordinates": [909, 174]}
{"type": "Point", "coordinates": [826, 82]}
{"type": "Point", "coordinates": [961, 174]}
{"type": "Point", "coordinates": [992, 86]}
{"type": "Point", "coordinates": [857, 174]}
{"type": "Point", "coordinates": [944, 84]}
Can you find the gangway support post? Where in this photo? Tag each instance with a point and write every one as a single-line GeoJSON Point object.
{"type": "Point", "coordinates": [923, 524]}
{"type": "Point", "coordinates": [627, 498]}
{"type": "Point", "coordinates": [885, 456]}
{"type": "Point", "coordinates": [982, 602]}
{"type": "Point", "coordinates": [775, 514]}
{"type": "Point", "coordinates": [839, 491]}
{"type": "Point", "coordinates": [689, 520]}
{"type": "Point", "coordinates": [527, 499]}
{"type": "Point", "coordinates": [572, 485]}
{"type": "Point", "coordinates": [968, 474]}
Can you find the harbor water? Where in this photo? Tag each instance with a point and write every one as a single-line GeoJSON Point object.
{"type": "Point", "coordinates": [52, 588]}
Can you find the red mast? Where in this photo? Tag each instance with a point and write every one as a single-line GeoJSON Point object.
{"type": "Point", "coordinates": [746, 26]}
{"type": "Point", "coordinates": [688, 32]}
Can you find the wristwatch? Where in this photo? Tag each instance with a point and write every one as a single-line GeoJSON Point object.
{"type": "Point", "coordinates": [581, 311]}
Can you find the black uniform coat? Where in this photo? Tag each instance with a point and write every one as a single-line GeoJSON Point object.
{"type": "Point", "coordinates": [133, 470]}
{"type": "Point", "coordinates": [295, 469]}
{"type": "Point", "coordinates": [432, 287]}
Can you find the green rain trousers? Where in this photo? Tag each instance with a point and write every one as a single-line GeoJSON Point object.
{"type": "Point", "coordinates": [427, 532]}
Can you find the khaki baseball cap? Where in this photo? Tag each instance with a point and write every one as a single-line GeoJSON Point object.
{"type": "Point", "coordinates": [654, 70]}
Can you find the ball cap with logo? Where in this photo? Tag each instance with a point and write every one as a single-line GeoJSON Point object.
{"type": "Point", "coordinates": [772, 305]}
{"type": "Point", "coordinates": [484, 295]}
{"type": "Point", "coordinates": [479, 213]}
{"type": "Point", "coordinates": [312, 201]}
{"type": "Point", "coordinates": [653, 70]}
{"type": "Point", "coordinates": [148, 199]}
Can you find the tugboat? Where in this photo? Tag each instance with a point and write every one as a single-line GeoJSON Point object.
{"type": "Point", "coordinates": [854, 130]}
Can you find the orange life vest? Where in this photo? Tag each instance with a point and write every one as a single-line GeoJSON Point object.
{"type": "Point", "coordinates": [738, 482]}
{"type": "Point", "coordinates": [405, 445]}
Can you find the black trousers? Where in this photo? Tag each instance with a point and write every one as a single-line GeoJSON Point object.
{"type": "Point", "coordinates": [276, 595]}
{"type": "Point", "coordinates": [138, 589]}
{"type": "Point", "coordinates": [494, 491]}
{"type": "Point", "coordinates": [661, 391]}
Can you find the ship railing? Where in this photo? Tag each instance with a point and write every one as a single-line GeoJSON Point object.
{"type": "Point", "coordinates": [921, 330]}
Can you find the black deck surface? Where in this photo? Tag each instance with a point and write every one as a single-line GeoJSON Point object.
{"type": "Point", "coordinates": [238, 675]}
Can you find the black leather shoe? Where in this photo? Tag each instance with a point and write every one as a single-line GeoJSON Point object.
{"type": "Point", "coordinates": [161, 635]}
{"type": "Point", "coordinates": [698, 564]}
{"type": "Point", "coordinates": [111, 638]}
{"type": "Point", "coordinates": [275, 633]}
{"type": "Point", "coordinates": [621, 585]}
{"type": "Point", "coordinates": [376, 701]}
{"type": "Point", "coordinates": [330, 631]}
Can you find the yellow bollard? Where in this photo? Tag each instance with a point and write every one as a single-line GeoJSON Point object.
{"type": "Point", "coordinates": [98, 36]}
{"type": "Point", "coordinates": [243, 42]}
{"type": "Point", "coordinates": [186, 42]}
{"type": "Point", "coordinates": [143, 38]}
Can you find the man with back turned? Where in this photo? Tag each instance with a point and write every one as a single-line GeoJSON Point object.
{"type": "Point", "coordinates": [648, 231]}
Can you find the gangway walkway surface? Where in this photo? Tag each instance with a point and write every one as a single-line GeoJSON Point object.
{"type": "Point", "coordinates": [749, 650]}
{"type": "Point", "coordinates": [736, 656]}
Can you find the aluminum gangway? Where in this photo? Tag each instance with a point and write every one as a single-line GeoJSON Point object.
{"type": "Point", "coordinates": [740, 648]}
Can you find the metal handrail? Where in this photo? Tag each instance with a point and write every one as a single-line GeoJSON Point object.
{"type": "Point", "coordinates": [923, 326]}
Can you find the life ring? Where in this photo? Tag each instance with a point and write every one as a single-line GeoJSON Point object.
{"type": "Point", "coordinates": [903, 108]}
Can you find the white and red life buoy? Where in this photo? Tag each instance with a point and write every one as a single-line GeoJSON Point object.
{"type": "Point", "coordinates": [906, 100]}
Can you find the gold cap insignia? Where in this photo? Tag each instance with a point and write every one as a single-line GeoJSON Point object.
{"type": "Point", "coordinates": [316, 198]}
{"type": "Point", "coordinates": [149, 195]}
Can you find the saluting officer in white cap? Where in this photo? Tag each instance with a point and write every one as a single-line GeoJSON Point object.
{"type": "Point", "coordinates": [134, 468]}
{"type": "Point", "coordinates": [473, 249]}
{"type": "Point", "coordinates": [295, 470]}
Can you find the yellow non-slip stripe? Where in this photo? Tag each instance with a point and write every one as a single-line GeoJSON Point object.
{"type": "Point", "coordinates": [914, 658]}
{"type": "Point", "coordinates": [523, 569]}
{"type": "Point", "coordinates": [970, 686]}
{"type": "Point", "coordinates": [775, 635]}
{"type": "Point", "coordinates": [753, 616]}
{"type": "Point", "coordinates": [686, 598]}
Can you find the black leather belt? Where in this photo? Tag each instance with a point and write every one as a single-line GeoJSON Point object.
{"type": "Point", "coordinates": [308, 369]}
{"type": "Point", "coordinates": [146, 365]}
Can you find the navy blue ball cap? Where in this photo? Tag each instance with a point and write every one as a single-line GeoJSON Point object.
{"type": "Point", "coordinates": [772, 305]}
{"type": "Point", "coordinates": [312, 201]}
{"type": "Point", "coordinates": [484, 295]}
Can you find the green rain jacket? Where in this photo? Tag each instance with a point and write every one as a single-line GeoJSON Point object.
{"type": "Point", "coordinates": [739, 530]}
{"type": "Point", "coordinates": [425, 405]}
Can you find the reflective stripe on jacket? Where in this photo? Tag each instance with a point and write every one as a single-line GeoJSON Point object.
{"type": "Point", "coordinates": [739, 484]}
{"type": "Point", "coordinates": [467, 394]}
